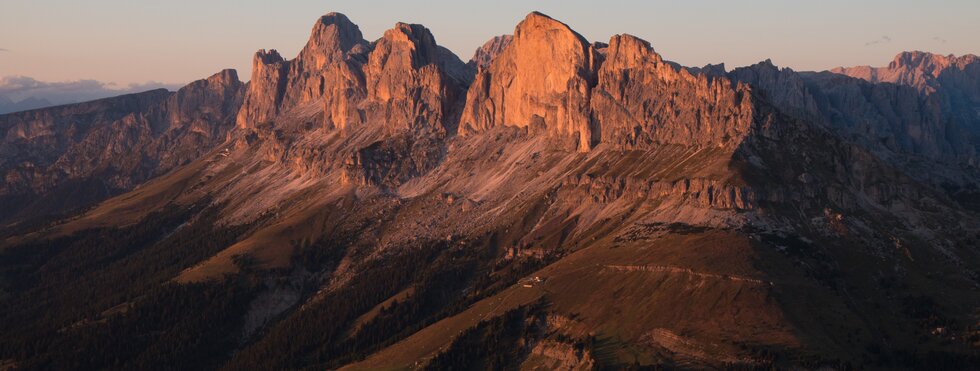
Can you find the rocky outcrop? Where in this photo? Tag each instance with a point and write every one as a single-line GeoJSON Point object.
{"type": "Point", "coordinates": [486, 53]}
{"type": "Point", "coordinates": [895, 121]}
{"type": "Point", "coordinates": [783, 88]}
{"type": "Point", "coordinates": [278, 84]}
{"type": "Point", "coordinates": [618, 180]}
{"type": "Point", "coordinates": [541, 81]}
{"type": "Point", "coordinates": [952, 84]}
{"type": "Point", "coordinates": [397, 100]}
{"type": "Point", "coordinates": [409, 81]}
{"type": "Point", "coordinates": [640, 100]}
{"type": "Point", "coordinates": [563, 356]}
{"type": "Point", "coordinates": [926, 72]}
{"type": "Point", "coordinates": [118, 142]}
{"type": "Point", "coordinates": [393, 161]}
{"type": "Point", "coordinates": [697, 192]}
{"type": "Point", "coordinates": [402, 81]}
{"type": "Point", "coordinates": [550, 79]}
{"type": "Point", "coordinates": [143, 144]}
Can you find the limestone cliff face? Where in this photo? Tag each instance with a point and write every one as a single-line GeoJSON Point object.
{"type": "Point", "coordinates": [34, 140]}
{"type": "Point", "coordinates": [893, 120]}
{"type": "Point", "coordinates": [116, 142]}
{"type": "Point", "coordinates": [278, 84]}
{"type": "Point", "coordinates": [485, 54]}
{"type": "Point", "coordinates": [552, 80]}
{"type": "Point", "coordinates": [262, 98]}
{"type": "Point", "coordinates": [395, 100]}
{"type": "Point", "coordinates": [577, 161]}
{"type": "Point", "coordinates": [783, 88]}
{"type": "Point", "coordinates": [925, 71]}
{"type": "Point", "coordinates": [952, 84]}
{"type": "Point", "coordinates": [640, 99]}
{"type": "Point", "coordinates": [542, 80]}
{"type": "Point", "coordinates": [409, 81]}
{"type": "Point", "coordinates": [402, 81]}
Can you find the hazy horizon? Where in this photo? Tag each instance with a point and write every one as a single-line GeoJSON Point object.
{"type": "Point", "coordinates": [123, 43]}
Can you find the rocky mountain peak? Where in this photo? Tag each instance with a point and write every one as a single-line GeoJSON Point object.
{"type": "Point", "coordinates": [630, 50]}
{"type": "Point", "coordinates": [269, 72]}
{"type": "Point", "coordinates": [371, 179]}
{"type": "Point", "coordinates": [949, 83]}
{"type": "Point", "coordinates": [407, 68]}
{"type": "Point", "coordinates": [332, 37]}
{"type": "Point", "coordinates": [929, 62]}
{"type": "Point", "coordinates": [910, 58]}
{"type": "Point", "coordinates": [278, 84]}
{"type": "Point", "coordinates": [536, 21]}
{"type": "Point", "coordinates": [350, 79]}
{"type": "Point", "coordinates": [541, 80]}
{"type": "Point", "coordinates": [538, 29]}
{"type": "Point", "coordinates": [224, 77]}
{"type": "Point", "coordinates": [549, 79]}
{"type": "Point", "coordinates": [919, 69]}
{"type": "Point", "coordinates": [485, 54]}
{"type": "Point", "coordinates": [412, 42]}
{"type": "Point", "coordinates": [220, 92]}
{"type": "Point", "coordinates": [263, 56]}
{"type": "Point", "coordinates": [413, 46]}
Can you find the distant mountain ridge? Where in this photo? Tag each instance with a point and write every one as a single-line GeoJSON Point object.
{"type": "Point", "coordinates": [922, 70]}
{"type": "Point", "coordinates": [7, 105]}
{"type": "Point", "coordinates": [112, 144]}
{"type": "Point", "coordinates": [956, 81]}
{"type": "Point", "coordinates": [554, 203]}
{"type": "Point", "coordinates": [21, 93]}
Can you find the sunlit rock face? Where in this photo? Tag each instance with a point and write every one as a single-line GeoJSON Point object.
{"type": "Point", "coordinates": [278, 84]}
{"type": "Point", "coordinates": [542, 80]}
{"type": "Point", "coordinates": [403, 80]}
{"type": "Point", "coordinates": [640, 100]}
{"type": "Point", "coordinates": [384, 204]}
{"type": "Point", "coordinates": [486, 53]}
{"type": "Point", "coordinates": [550, 79]}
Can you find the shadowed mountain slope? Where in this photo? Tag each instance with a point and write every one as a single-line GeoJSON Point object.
{"type": "Point", "coordinates": [555, 204]}
{"type": "Point", "coordinates": [56, 159]}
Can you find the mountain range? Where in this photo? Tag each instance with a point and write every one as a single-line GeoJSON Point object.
{"type": "Point", "coordinates": [22, 93]}
{"type": "Point", "coordinates": [553, 203]}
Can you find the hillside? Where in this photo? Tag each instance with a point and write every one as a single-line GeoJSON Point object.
{"type": "Point", "coordinates": [554, 203]}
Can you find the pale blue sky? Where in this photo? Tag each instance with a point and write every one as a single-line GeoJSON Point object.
{"type": "Point", "coordinates": [176, 41]}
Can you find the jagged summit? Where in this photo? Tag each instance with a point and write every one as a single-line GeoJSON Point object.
{"type": "Point", "coordinates": [921, 70]}
{"type": "Point", "coordinates": [263, 56]}
{"type": "Point", "coordinates": [629, 49]}
{"type": "Point", "coordinates": [536, 22]}
{"type": "Point", "coordinates": [225, 77]}
{"type": "Point", "coordinates": [556, 203]}
{"type": "Point", "coordinates": [551, 80]}
{"type": "Point", "coordinates": [952, 107]}
{"type": "Point", "coordinates": [355, 82]}
{"type": "Point", "coordinates": [540, 80]}
{"type": "Point", "coordinates": [333, 35]}
{"type": "Point", "coordinates": [490, 50]}
{"type": "Point", "coordinates": [419, 45]}
{"type": "Point", "coordinates": [930, 61]}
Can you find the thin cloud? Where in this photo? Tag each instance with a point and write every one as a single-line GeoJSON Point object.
{"type": "Point", "coordinates": [4, 50]}
{"type": "Point", "coordinates": [939, 39]}
{"type": "Point", "coordinates": [882, 40]}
